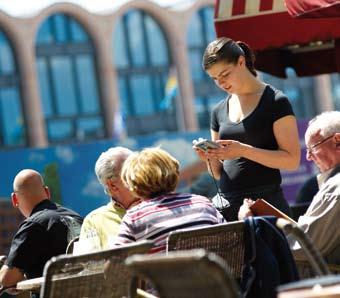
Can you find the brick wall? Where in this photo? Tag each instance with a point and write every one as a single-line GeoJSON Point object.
{"type": "Point", "coordinates": [10, 218]}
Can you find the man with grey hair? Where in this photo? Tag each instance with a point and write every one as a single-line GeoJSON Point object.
{"type": "Point", "coordinates": [101, 226]}
{"type": "Point", "coordinates": [321, 220]}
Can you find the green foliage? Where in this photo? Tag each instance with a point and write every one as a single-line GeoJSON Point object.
{"type": "Point", "coordinates": [52, 180]}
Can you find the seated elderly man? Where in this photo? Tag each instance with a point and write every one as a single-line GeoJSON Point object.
{"type": "Point", "coordinates": [44, 233]}
{"type": "Point", "coordinates": [101, 226]}
{"type": "Point", "coordinates": [320, 221]}
{"type": "Point", "coordinates": [152, 175]}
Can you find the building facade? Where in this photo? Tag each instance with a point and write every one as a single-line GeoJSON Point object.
{"type": "Point", "coordinates": [10, 219]}
{"type": "Point", "coordinates": [81, 72]}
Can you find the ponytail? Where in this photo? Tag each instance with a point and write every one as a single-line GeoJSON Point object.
{"type": "Point", "coordinates": [249, 56]}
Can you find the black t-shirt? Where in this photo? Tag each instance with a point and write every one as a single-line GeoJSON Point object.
{"type": "Point", "coordinates": [44, 234]}
{"type": "Point", "coordinates": [256, 130]}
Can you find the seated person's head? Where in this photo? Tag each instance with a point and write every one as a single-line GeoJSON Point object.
{"type": "Point", "coordinates": [108, 168]}
{"type": "Point", "coordinates": [28, 191]}
{"type": "Point", "coordinates": [109, 165]}
{"type": "Point", "coordinates": [151, 173]}
{"type": "Point", "coordinates": [322, 139]}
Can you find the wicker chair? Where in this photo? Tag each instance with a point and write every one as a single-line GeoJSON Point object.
{"type": "Point", "coordinates": [4, 292]}
{"type": "Point", "coordinates": [225, 240]}
{"type": "Point", "coordinates": [316, 265]}
{"type": "Point", "coordinates": [70, 245]}
{"type": "Point", "coordinates": [2, 260]}
{"type": "Point", "coordinates": [317, 277]}
{"type": "Point", "coordinates": [98, 275]}
{"type": "Point", "coordinates": [186, 274]}
{"type": "Point", "coordinates": [306, 270]}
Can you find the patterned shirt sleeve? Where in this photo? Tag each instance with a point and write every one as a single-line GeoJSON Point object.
{"type": "Point", "coordinates": [125, 234]}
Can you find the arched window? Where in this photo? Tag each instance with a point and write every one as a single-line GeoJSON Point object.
{"type": "Point", "coordinates": [142, 61]}
{"type": "Point", "coordinates": [12, 128]}
{"type": "Point", "coordinates": [68, 81]}
{"type": "Point", "coordinates": [201, 32]}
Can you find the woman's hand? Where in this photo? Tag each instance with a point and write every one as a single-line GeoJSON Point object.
{"type": "Point", "coordinates": [214, 166]}
{"type": "Point", "coordinates": [229, 149]}
{"type": "Point", "coordinates": [201, 154]}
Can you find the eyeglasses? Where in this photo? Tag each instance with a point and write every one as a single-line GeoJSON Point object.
{"type": "Point", "coordinates": [313, 148]}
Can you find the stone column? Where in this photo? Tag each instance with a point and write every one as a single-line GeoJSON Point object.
{"type": "Point", "coordinates": [187, 119]}
{"type": "Point", "coordinates": [24, 44]}
{"type": "Point", "coordinates": [106, 75]}
{"type": "Point", "coordinates": [323, 92]}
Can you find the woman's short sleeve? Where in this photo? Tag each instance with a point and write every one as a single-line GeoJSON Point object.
{"type": "Point", "coordinates": [282, 107]}
{"type": "Point", "coordinates": [214, 124]}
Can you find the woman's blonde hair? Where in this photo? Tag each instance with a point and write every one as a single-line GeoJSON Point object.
{"type": "Point", "coordinates": [150, 173]}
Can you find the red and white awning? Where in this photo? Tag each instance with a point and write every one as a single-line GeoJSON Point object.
{"type": "Point", "coordinates": [313, 8]}
{"type": "Point", "coordinates": [310, 46]}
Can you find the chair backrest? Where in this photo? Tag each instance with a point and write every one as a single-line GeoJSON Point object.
{"type": "Point", "coordinates": [186, 274]}
{"type": "Point", "coordinates": [313, 255]}
{"type": "Point", "coordinates": [73, 227]}
{"type": "Point", "coordinates": [2, 260]}
{"type": "Point", "coordinates": [307, 271]}
{"type": "Point", "coordinates": [70, 245]}
{"type": "Point", "coordinates": [98, 275]}
{"type": "Point", "coordinates": [225, 240]}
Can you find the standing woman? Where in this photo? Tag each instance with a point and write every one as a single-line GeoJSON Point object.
{"type": "Point", "coordinates": [255, 126]}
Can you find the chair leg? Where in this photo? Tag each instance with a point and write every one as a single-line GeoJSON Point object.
{"type": "Point", "coordinates": [133, 287]}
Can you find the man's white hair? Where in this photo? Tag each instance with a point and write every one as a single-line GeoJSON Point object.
{"type": "Point", "coordinates": [327, 124]}
{"type": "Point", "coordinates": [109, 164]}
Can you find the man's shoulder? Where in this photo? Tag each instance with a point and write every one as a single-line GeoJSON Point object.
{"type": "Point", "coordinates": [327, 197]}
{"type": "Point", "coordinates": [108, 209]}
{"type": "Point", "coordinates": [333, 183]}
{"type": "Point", "coordinates": [98, 212]}
{"type": "Point", "coordinates": [29, 224]}
{"type": "Point", "coordinates": [336, 172]}
{"type": "Point", "coordinates": [52, 213]}
{"type": "Point", "coordinates": [275, 97]}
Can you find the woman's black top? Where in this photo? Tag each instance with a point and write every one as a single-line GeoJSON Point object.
{"type": "Point", "coordinates": [256, 130]}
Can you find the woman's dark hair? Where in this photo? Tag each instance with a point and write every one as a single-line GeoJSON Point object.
{"type": "Point", "coordinates": [227, 50]}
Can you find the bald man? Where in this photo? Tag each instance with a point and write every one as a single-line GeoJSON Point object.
{"type": "Point", "coordinates": [44, 233]}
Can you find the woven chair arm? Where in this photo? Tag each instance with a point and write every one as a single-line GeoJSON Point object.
{"type": "Point", "coordinates": [314, 257]}
{"type": "Point", "coordinates": [334, 268]}
{"type": "Point", "coordinates": [2, 260]}
{"type": "Point", "coordinates": [142, 294]}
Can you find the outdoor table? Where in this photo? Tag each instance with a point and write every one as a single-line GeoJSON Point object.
{"type": "Point", "coordinates": [316, 292]}
{"type": "Point", "coordinates": [325, 286]}
{"type": "Point", "coordinates": [30, 284]}
{"type": "Point", "coordinates": [35, 284]}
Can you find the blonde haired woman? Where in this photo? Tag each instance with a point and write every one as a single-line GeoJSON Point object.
{"type": "Point", "coordinates": [153, 175]}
